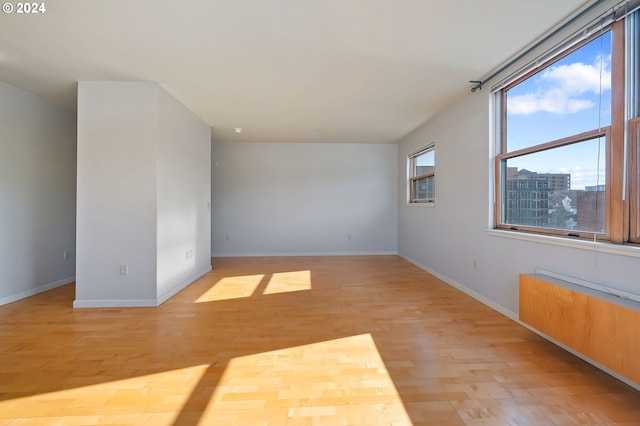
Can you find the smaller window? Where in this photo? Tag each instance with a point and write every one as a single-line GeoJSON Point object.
{"type": "Point", "coordinates": [422, 169]}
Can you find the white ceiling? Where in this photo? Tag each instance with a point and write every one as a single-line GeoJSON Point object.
{"type": "Point", "coordinates": [283, 70]}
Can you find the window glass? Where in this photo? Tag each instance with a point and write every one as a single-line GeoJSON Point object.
{"type": "Point", "coordinates": [571, 96]}
{"type": "Point", "coordinates": [425, 163]}
{"type": "Point", "coordinates": [422, 167]}
{"type": "Point", "coordinates": [561, 188]}
{"type": "Point", "coordinates": [423, 189]}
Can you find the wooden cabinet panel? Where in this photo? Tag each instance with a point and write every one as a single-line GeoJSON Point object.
{"type": "Point", "coordinates": [598, 327]}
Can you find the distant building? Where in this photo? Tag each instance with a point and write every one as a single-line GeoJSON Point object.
{"type": "Point", "coordinates": [591, 205]}
{"type": "Point", "coordinates": [529, 195]}
{"type": "Point", "coordinates": [424, 188]}
{"type": "Point", "coordinates": [423, 170]}
{"type": "Point", "coordinates": [557, 181]}
{"type": "Point", "coordinates": [595, 188]}
{"type": "Point", "coordinates": [547, 200]}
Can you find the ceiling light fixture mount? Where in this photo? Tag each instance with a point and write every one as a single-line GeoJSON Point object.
{"type": "Point", "coordinates": [237, 129]}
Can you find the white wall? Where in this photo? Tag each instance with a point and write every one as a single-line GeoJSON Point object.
{"type": "Point", "coordinates": [37, 194]}
{"type": "Point", "coordinates": [143, 177]}
{"type": "Point", "coordinates": [116, 214]}
{"type": "Point", "coordinates": [297, 199]}
{"type": "Point", "coordinates": [184, 197]}
{"type": "Point", "coordinates": [445, 239]}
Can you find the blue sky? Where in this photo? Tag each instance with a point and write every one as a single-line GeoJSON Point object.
{"type": "Point", "coordinates": [570, 97]}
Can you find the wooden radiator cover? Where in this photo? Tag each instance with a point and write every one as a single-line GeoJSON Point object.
{"type": "Point", "coordinates": [602, 327]}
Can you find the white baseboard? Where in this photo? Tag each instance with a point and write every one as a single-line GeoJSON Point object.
{"type": "Point", "coordinates": [140, 303]}
{"type": "Point", "coordinates": [36, 290]}
{"type": "Point", "coordinates": [186, 283]}
{"type": "Point", "coordinates": [302, 254]}
{"type": "Point", "coordinates": [480, 298]}
{"type": "Point", "coordinates": [115, 303]}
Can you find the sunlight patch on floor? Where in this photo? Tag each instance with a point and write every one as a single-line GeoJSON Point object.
{"type": "Point", "coordinates": [156, 397]}
{"type": "Point", "coordinates": [341, 380]}
{"type": "Point", "coordinates": [239, 287]}
{"type": "Point", "coordinates": [285, 282]}
{"type": "Point", "coordinates": [232, 288]}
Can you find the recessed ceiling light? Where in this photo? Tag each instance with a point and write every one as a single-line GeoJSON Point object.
{"type": "Point", "coordinates": [237, 129]}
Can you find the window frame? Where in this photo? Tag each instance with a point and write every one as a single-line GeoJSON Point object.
{"type": "Point", "coordinates": [616, 204]}
{"type": "Point", "coordinates": [501, 159]}
{"type": "Point", "coordinates": [634, 180]}
{"type": "Point", "coordinates": [413, 178]}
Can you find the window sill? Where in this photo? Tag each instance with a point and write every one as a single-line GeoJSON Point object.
{"type": "Point", "coordinates": [431, 204]}
{"type": "Point", "coordinates": [603, 247]}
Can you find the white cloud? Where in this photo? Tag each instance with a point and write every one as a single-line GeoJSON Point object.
{"type": "Point", "coordinates": [562, 89]}
{"type": "Point", "coordinates": [590, 177]}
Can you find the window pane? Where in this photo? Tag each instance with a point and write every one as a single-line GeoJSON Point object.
{"type": "Point", "coordinates": [423, 189]}
{"type": "Point", "coordinates": [634, 141]}
{"type": "Point", "coordinates": [425, 163]}
{"type": "Point", "coordinates": [561, 188]}
{"type": "Point", "coordinates": [567, 98]}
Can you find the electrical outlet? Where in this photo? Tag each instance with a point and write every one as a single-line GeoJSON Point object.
{"type": "Point", "coordinates": [66, 255]}
{"type": "Point", "coordinates": [475, 263]}
{"type": "Point", "coordinates": [228, 238]}
{"type": "Point", "coordinates": [124, 269]}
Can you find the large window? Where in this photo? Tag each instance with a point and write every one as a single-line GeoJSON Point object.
{"type": "Point", "coordinates": [567, 137]}
{"type": "Point", "coordinates": [422, 170]}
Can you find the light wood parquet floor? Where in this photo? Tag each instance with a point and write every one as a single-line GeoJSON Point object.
{"type": "Point", "coordinates": [295, 341]}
